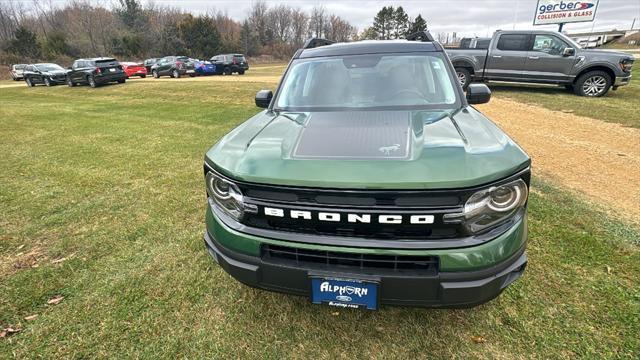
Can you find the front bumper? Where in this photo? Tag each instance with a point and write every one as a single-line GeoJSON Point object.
{"type": "Point", "coordinates": [58, 79]}
{"type": "Point", "coordinates": [467, 277]}
{"type": "Point", "coordinates": [622, 81]}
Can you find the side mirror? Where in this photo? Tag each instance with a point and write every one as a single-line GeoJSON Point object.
{"type": "Point", "coordinates": [568, 51]}
{"type": "Point", "coordinates": [263, 98]}
{"type": "Point", "coordinates": [478, 94]}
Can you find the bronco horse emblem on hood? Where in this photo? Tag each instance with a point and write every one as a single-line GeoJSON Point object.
{"type": "Point", "coordinates": [388, 149]}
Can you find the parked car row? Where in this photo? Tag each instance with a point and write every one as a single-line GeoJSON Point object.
{"type": "Point", "coordinates": [177, 66]}
{"type": "Point", "coordinates": [98, 71]}
{"type": "Point", "coordinates": [92, 71]}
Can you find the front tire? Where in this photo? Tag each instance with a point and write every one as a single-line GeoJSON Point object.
{"type": "Point", "coordinates": [464, 77]}
{"type": "Point", "coordinates": [70, 82]}
{"type": "Point", "coordinates": [241, 72]}
{"type": "Point", "coordinates": [155, 74]}
{"type": "Point", "coordinates": [176, 74]}
{"type": "Point", "coordinates": [29, 82]}
{"type": "Point", "coordinates": [227, 70]}
{"type": "Point", "coordinates": [122, 81]}
{"type": "Point", "coordinates": [593, 84]}
{"type": "Point", "coordinates": [47, 82]}
{"type": "Point", "coordinates": [143, 76]}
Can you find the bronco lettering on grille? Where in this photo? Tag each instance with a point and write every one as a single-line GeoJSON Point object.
{"type": "Point", "coordinates": [351, 218]}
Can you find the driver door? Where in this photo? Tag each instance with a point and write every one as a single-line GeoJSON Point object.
{"type": "Point", "coordinates": [545, 60]}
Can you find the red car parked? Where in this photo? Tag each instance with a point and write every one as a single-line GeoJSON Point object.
{"type": "Point", "coordinates": [134, 69]}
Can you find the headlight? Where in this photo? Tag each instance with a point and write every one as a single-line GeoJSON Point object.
{"type": "Point", "coordinates": [489, 207]}
{"type": "Point", "coordinates": [626, 64]}
{"type": "Point", "coordinates": [226, 195]}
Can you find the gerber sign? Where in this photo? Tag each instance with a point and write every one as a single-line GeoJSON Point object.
{"type": "Point", "coordinates": [563, 11]}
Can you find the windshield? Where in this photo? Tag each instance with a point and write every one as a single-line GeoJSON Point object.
{"type": "Point", "coordinates": [368, 81]}
{"type": "Point", "coordinates": [49, 67]}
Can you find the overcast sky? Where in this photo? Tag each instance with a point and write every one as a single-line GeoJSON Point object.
{"type": "Point", "coordinates": [467, 17]}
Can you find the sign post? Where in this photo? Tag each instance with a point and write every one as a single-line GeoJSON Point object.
{"type": "Point", "coordinates": [564, 11]}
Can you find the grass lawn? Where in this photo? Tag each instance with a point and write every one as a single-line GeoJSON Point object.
{"type": "Point", "coordinates": [103, 203]}
{"type": "Point", "coordinates": [621, 106]}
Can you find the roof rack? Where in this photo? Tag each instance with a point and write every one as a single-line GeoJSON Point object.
{"type": "Point", "coordinates": [421, 36]}
{"type": "Point", "coordinates": [316, 42]}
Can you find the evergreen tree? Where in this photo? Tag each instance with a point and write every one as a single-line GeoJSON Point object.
{"type": "Point", "coordinates": [170, 42]}
{"type": "Point", "coordinates": [201, 36]}
{"type": "Point", "coordinates": [24, 44]}
{"type": "Point", "coordinates": [400, 23]}
{"type": "Point", "coordinates": [369, 34]}
{"type": "Point", "coordinates": [56, 44]}
{"type": "Point", "coordinates": [384, 23]}
{"type": "Point", "coordinates": [417, 25]}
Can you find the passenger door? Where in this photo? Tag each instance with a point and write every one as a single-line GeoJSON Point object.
{"type": "Point", "coordinates": [29, 72]}
{"type": "Point", "coordinates": [546, 62]}
{"type": "Point", "coordinates": [217, 64]}
{"type": "Point", "coordinates": [165, 66]}
{"type": "Point", "coordinates": [507, 57]}
{"type": "Point", "coordinates": [160, 66]}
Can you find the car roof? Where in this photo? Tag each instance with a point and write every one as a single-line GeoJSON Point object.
{"type": "Point", "coordinates": [551, 32]}
{"type": "Point", "coordinates": [97, 59]}
{"type": "Point", "coordinates": [371, 47]}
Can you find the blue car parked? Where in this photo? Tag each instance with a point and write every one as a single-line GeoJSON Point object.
{"type": "Point", "coordinates": [205, 68]}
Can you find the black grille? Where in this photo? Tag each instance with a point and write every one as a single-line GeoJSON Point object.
{"type": "Point", "coordinates": [373, 202]}
{"type": "Point", "coordinates": [370, 231]}
{"type": "Point", "coordinates": [332, 260]}
{"type": "Point", "coordinates": [406, 203]}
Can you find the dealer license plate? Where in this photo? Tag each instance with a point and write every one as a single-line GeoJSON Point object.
{"type": "Point", "coordinates": [346, 293]}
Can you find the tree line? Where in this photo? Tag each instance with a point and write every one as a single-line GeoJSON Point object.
{"type": "Point", "coordinates": [40, 31]}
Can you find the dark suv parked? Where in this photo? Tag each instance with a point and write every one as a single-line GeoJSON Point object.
{"type": "Point", "coordinates": [46, 73]}
{"type": "Point", "coordinates": [96, 71]}
{"type": "Point", "coordinates": [230, 63]}
{"type": "Point", "coordinates": [174, 66]}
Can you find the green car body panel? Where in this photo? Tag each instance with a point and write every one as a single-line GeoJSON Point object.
{"type": "Point", "coordinates": [449, 149]}
{"type": "Point", "coordinates": [428, 203]}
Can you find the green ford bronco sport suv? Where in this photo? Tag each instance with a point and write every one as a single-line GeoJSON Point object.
{"type": "Point", "coordinates": [369, 179]}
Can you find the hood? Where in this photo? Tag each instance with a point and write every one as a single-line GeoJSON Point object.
{"type": "Point", "coordinates": [368, 149]}
{"type": "Point", "coordinates": [601, 52]}
{"type": "Point", "coordinates": [56, 72]}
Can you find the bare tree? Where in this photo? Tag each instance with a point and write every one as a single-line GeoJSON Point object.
{"type": "Point", "coordinates": [279, 22]}
{"type": "Point", "coordinates": [317, 21]}
{"type": "Point", "coordinates": [299, 27]}
{"type": "Point", "coordinates": [258, 21]}
{"type": "Point", "coordinates": [339, 29]}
